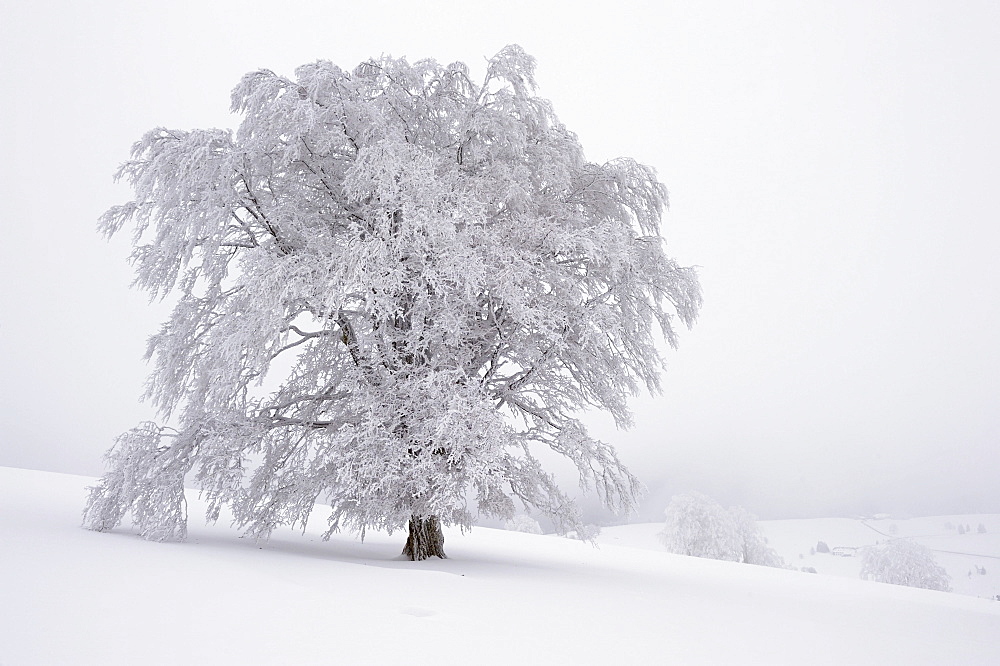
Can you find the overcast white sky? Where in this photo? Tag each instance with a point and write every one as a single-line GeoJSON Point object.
{"type": "Point", "coordinates": [833, 169]}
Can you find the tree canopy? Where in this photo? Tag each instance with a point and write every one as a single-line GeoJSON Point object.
{"type": "Point", "coordinates": [904, 562]}
{"type": "Point", "coordinates": [429, 273]}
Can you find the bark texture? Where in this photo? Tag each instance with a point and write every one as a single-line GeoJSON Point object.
{"type": "Point", "coordinates": [426, 538]}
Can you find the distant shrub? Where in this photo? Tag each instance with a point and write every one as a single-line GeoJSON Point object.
{"type": "Point", "coordinates": [961, 529]}
{"type": "Point", "coordinates": [809, 569]}
{"type": "Point", "coordinates": [981, 529]}
{"type": "Point", "coordinates": [821, 547]}
{"type": "Point", "coordinates": [523, 523]}
{"type": "Point", "coordinates": [903, 562]}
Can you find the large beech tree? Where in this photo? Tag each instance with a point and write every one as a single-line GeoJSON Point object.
{"type": "Point", "coordinates": [439, 276]}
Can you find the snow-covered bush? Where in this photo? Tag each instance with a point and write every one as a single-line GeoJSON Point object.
{"type": "Point", "coordinates": [822, 547]}
{"type": "Point", "coordinates": [523, 523]}
{"type": "Point", "coordinates": [903, 562]}
{"type": "Point", "coordinates": [698, 525]}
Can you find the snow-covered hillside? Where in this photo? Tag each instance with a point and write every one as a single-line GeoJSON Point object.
{"type": "Point", "coordinates": [972, 558]}
{"type": "Point", "coordinates": [79, 597]}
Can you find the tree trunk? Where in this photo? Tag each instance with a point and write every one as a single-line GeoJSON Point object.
{"type": "Point", "coordinates": [426, 538]}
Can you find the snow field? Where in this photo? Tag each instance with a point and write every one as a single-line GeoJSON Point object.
{"type": "Point", "coordinates": [74, 596]}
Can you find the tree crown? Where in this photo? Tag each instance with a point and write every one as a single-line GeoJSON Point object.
{"type": "Point", "coordinates": [447, 277]}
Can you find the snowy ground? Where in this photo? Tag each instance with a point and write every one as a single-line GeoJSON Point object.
{"type": "Point", "coordinates": [70, 596]}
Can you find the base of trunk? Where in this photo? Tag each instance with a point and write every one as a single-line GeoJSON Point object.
{"type": "Point", "coordinates": [426, 539]}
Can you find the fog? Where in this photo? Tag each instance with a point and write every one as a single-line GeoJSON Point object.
{"type": "Point", "coordinates": [832, 171]}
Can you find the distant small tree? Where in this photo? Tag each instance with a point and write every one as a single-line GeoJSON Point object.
{"type": "Point", "coordinates": [822, 547]}
{"type": "Point", "coordinates": [961, 529]}
{"type": "Point", "coordinates": [903, 562]}
{"type": "Point", "coordinates": [588, 532]}
{"type": "Point", "coordinates": [981, 529]}
{"type": "Point", "coordinates": [449, 279]}
{"type": "Point", "coordinates": [753, 544]}
{"type": "Point", "coordinates": [523, 523]}
{"type": "Point", "coordinates": [697, 525]}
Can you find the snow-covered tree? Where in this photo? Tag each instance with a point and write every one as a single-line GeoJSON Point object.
{"type": "Point", "coordinates": [753, 544]}
{"type": "Point", "coordinates": [903, 562]}
{"type": "Point", "coordinates": [588, 532]}
{"type": "Point", "coordinates": [447, 277]}
{"type": "Point", "coordinates": [697, 525]}
{"type": "Point", "coordinates": [523, 523]}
